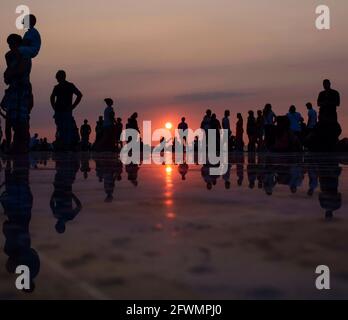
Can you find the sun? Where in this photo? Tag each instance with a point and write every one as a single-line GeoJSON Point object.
{"type": "Point", "coordinates": [169, 125]}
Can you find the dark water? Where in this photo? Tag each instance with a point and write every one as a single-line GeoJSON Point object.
{"type": "Point", "coordinates": [89, 227]}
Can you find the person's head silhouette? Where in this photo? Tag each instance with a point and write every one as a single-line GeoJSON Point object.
{"type": "Point", "coordinates": [109, 102]}
{"type": "Point", "coordinates": [86, 121]}
{"type": "Point", "coordinates": [292, 109]}
{"type": "Point", "coordinates": [259, 113]}
{"type": "Point", "coordinates": [251, 114]}
{"type": "Point", "coordinates": [309, 106]}
{"type": "Point", "coordinates": [61, 76]}
{"type": "Point", "coordinates": [268, 108]}
{"type": "Point", "coordinates": [29, 21]}
{"type": "Point", "coordinates": [183, 119]}
{"type": "Point", "coordinates": [329, 215]}
{"type": "Point", "coordinates": [208, 113]}
{"type": "Point", "coordinates": [14, 41]}
{"type": "Point", "coordinates": [227, 113]}
{"type": "Point", "coordinates": [327, 84]}
{"type": "Point", "coordinates": [60, 226]}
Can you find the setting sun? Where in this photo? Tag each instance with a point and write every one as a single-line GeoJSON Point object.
{"type": "Point", "coordinates": [169, 125]}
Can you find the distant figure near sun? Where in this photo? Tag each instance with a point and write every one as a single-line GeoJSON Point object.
{"type": "Point", "coordinates": [169, 125]}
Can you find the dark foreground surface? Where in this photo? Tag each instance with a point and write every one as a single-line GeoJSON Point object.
{"type": "Point", "coordinates": [90, 228]}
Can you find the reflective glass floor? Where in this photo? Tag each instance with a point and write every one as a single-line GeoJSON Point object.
{"type": "Point", "coordinates": [90, 228]}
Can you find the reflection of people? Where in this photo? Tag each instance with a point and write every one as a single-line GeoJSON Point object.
{"type": "Point", "coordinates": [85, 168]}
{"type": "Point", "coordinates": [183, 170]}
{"type": "Point", "coordinates": [330, 198]}
{"type": "Point", "coordinates": [63, 199]}
{"type": "Point", "coordinates": [17, 201]}
{"type": "Point", "coordinates": [112, 171]}
{"type": "Point", "coordinates": [227, 177]}
{"type": "Point", "coordinates": [132, 171]}
{"type": "Point", "coordinates": [63, 105]}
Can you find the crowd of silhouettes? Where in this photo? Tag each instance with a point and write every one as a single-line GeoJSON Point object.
{"type": "Point", "coordinates": [266, 131]}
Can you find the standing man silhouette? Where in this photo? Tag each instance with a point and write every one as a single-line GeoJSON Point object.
{"type": "Point", "coordinates": [85, 132]}
{"type": "Point", "coordinates": [67, 135]}
{"type": "Point", "coordinates": [328, 101]}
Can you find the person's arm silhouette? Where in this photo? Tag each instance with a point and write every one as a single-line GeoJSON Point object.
{"type": "Point", "coordinates": [53, 99]}
{"type": "Point", "coordinates": [78, 94]}
{"type": "Point", "coordinates": [78, 204]}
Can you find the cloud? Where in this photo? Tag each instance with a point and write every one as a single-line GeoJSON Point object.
{"type": "Point", "coordinates": [210, 96]}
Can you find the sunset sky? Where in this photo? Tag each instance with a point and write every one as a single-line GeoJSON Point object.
{"type": "Point", "coordinates": [165, 59]}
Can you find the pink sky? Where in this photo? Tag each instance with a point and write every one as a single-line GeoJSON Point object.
{"type": "Point", "coordinates": [165, 59]}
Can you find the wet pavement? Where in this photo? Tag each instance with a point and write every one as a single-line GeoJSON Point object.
{"type": "Point", "coordinates": [89, 227]}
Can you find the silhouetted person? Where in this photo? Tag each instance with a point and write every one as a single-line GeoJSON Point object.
{"type": "Point", "coordinates": [133, 124]}
{"type": "Point", "coordinates": [259, 129]}
{"type": "Point", "coordinates": [17, 201]}
{"type": "Point", "coordinates": [295, 119]}
{"type": "Point", "coordinates": [239, 133]}
{"type": "Point", "coordinates": [216, 126]}
{"type": "Point", "coordinates": [325, 137]}
{"type": "Point", "coordinates": [328, 101]}
{"type": "Point", "coordinates": [108, 141]}
{"type": "Point", "coordinates": [269, 125]}
{"type": "Point", "coordinates": [18, 100]}
{"type": "Point", "coordinates": [99, 129]}
{"type": "Point", "coordinates": [85, 132]}
{"type": "Point", "coordinates": [205, 124]}
{"type": "Point", "coordinates": [312, 118]}
{"type": "Point", "coordinates": [31, 45]}
{"type": "Point", "coordinates": [63, 198]}
{"type": "Point", "coordinates": [34, 142]}
{"type": "Point", "coordinates": [182, 127]}
{"type": "Point", "coordinates": [251, 131]}
{"type": "Point", "coordinates": [67, 136]}
{"type": "Point", "coordinates": [226, 124]}
{"type": "Point", "coordinates": [118, 130]}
